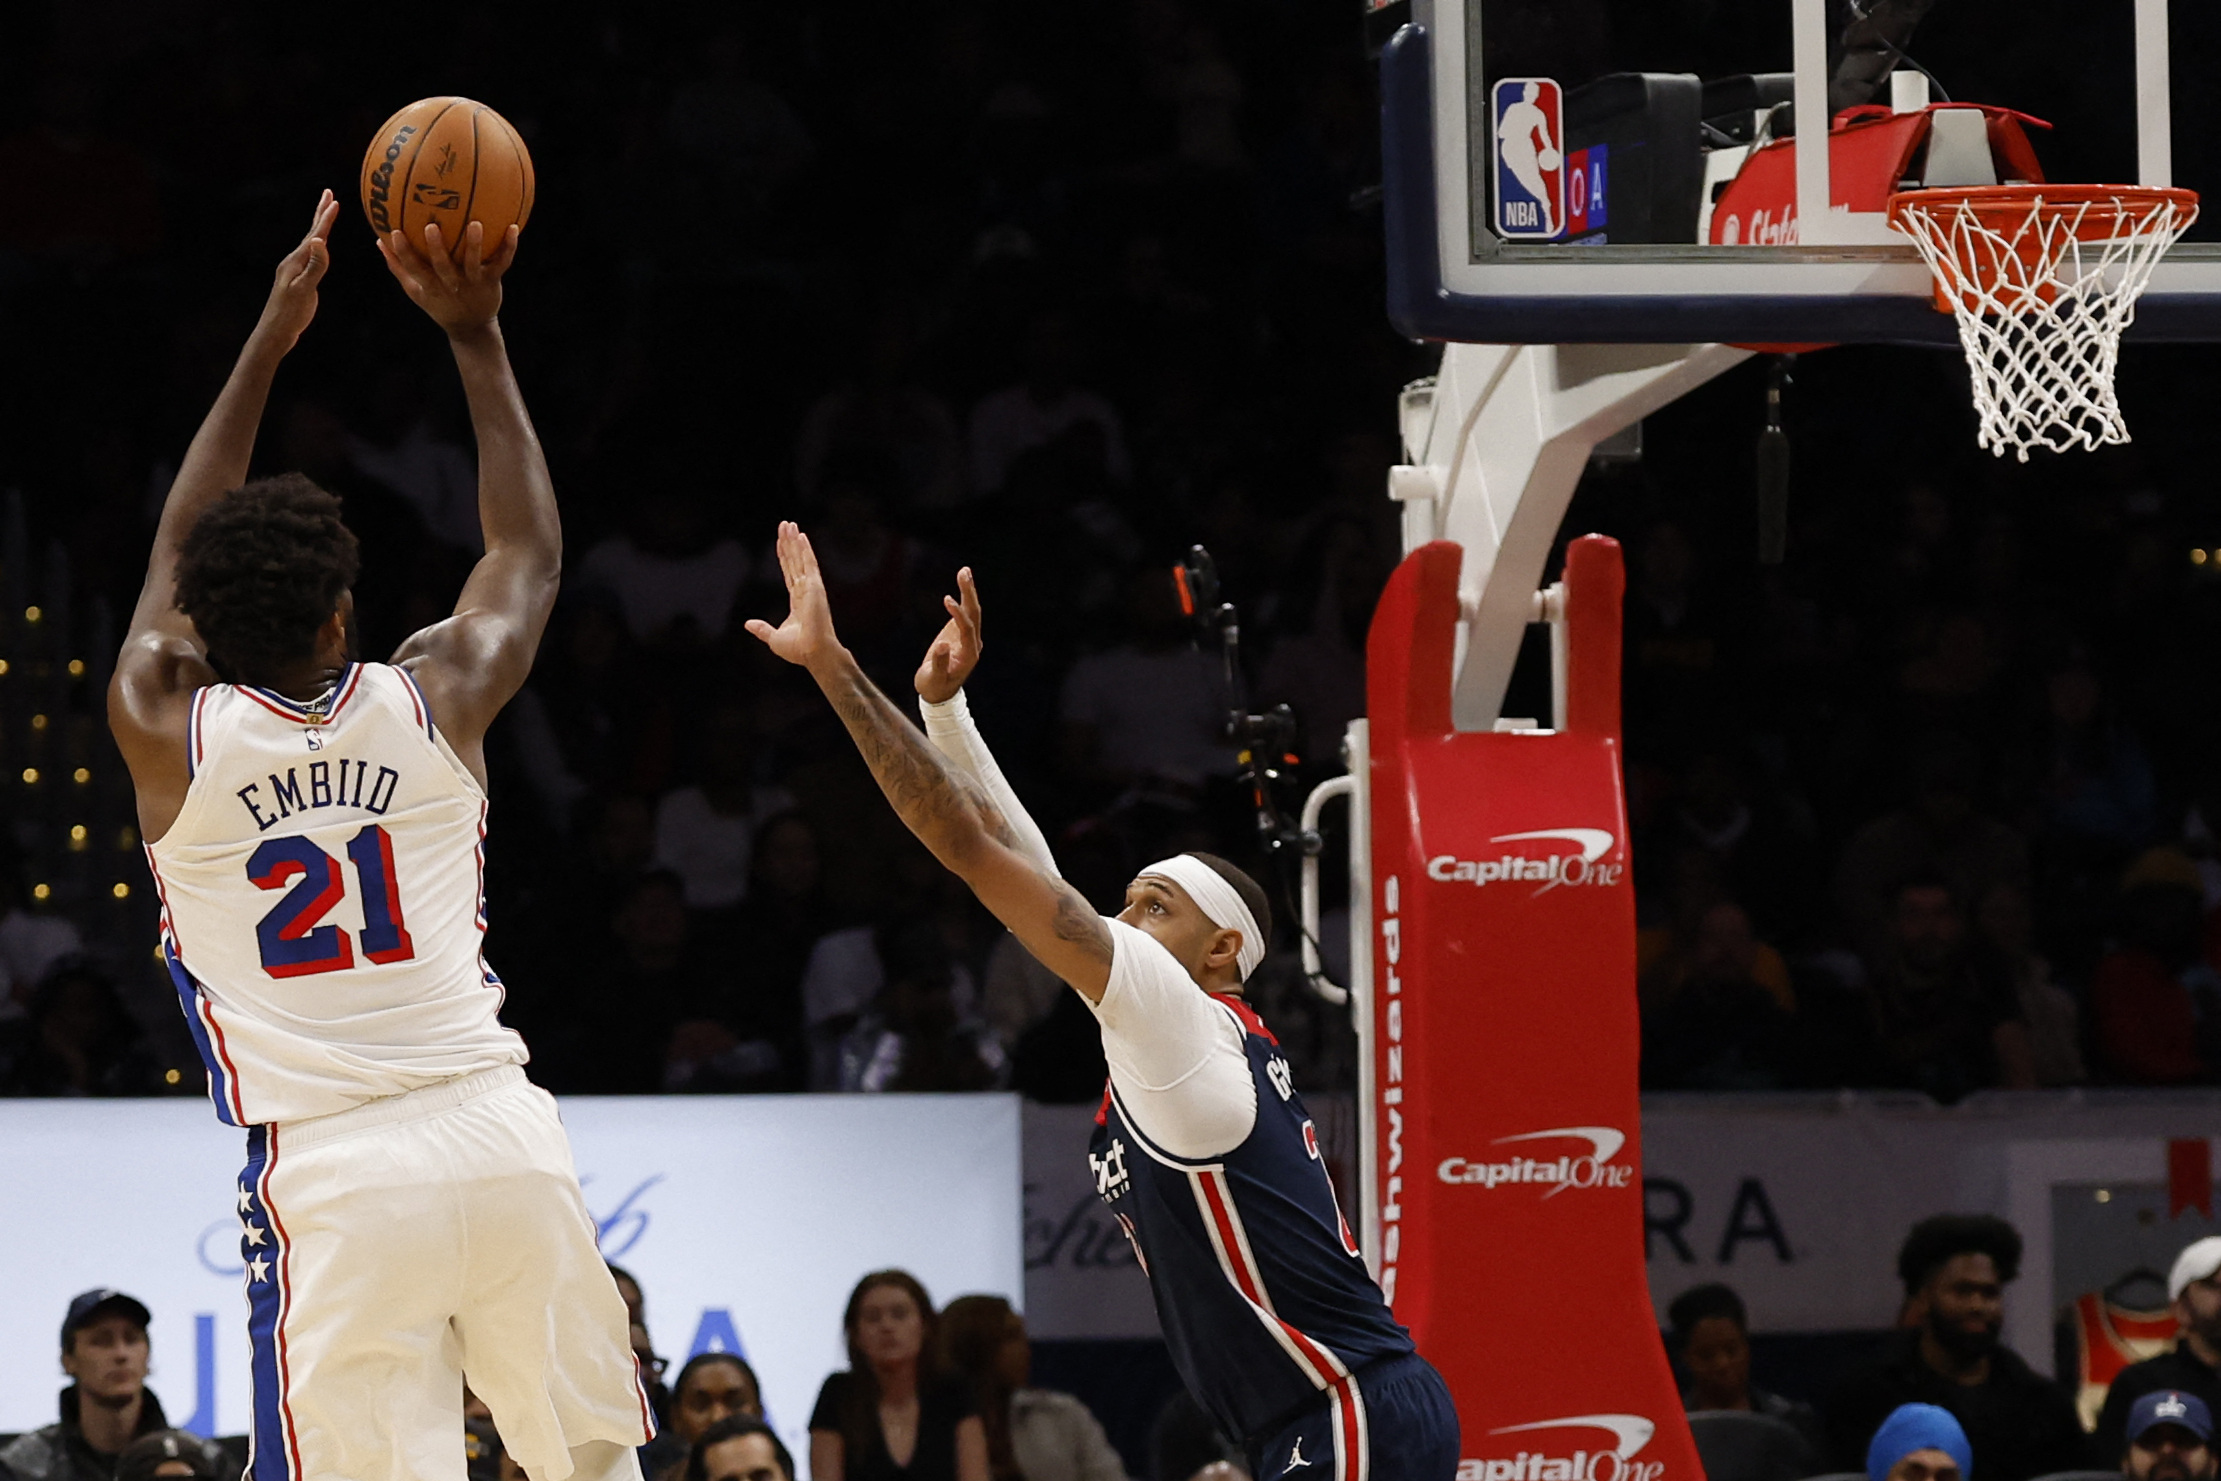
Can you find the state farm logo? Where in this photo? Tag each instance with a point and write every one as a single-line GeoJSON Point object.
{"type": "Point", "coordinates": [1629, 1432]}
{"type": "Point", "coordinates": [1592, 1169]}
{"type": "Point", "coordinates": [1582, 865]}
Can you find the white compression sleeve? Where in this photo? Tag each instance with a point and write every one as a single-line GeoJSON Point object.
{"type": "Point", "coordinates": [950, 728]}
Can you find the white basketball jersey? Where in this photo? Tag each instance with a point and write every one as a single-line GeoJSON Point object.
{"type": "Point", "coordinates": [323, 907]}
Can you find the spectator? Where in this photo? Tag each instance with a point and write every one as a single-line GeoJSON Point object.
{"type": "Point", "coordinates": [1936, 833]}
{"type": "Point", "coordinates": [2049, 1010]}
{"type": "Point", "coordinates": [169, 1454]}
{"type": "Point", "coordinates": [711, 1388]}
{"type": "Point", "coordinates": [586, 696]}
{"type": "Point", "coordinates": [740, 139]}
{"type": "Point", "coordinates": [916, 1036]}
{"type": "Point", "coordinates": [1045, 408]}
{"type": "Point", "coordinates": [485, 1458]}
{"type": "Point", "coordinates": [1319, 667]}
{"type": "Point", "coordinates": [106, 1406]}
{"type": "Point", "coordinates": [1018, 992]}
{"type": "Point", "coordinates": [1718, 1009]}
{"type": "Point", "coordinates": [845, 975]}
{"type": "Point", "coordinates": [643, 1346]}
{"type": "Point", "coordinates": [740, 1447]}
{"type": "Point", "coordinates": [2193, 1367]}
{"type": "Point", "coordinates": [78, 1040]}
{"type": "Point", "coordinates": [1757, 841]}
{"type": "Point", "coordinates": [429, 472]}
{"type": "Point", "coordinates": [102, 201]}
{"type": "Point", "coordinates": [2155, 1000]}
{"type": "Point", "coordinates": [1033, 1434]}
{"type": "Point", "coordinates": [1945, 1016]}
{"type": "Point", "coordinates": [1059, 1060]}
{"type": "Point", "coordinates": [744, 1032]}
{"type": "Point", "coordinates": [704, 833]}
{"type": "Point", "coordinates": [1711, 1332]}
{"type": "Point", "coordinates": [2091, 780]}
{"type": "Point", "coordinates": [1150, 709]}
{"type": "Point", "coordinates": [623, 1004]}
{"type": "Point", "coordinates": [868, 565]}
{"type": "Point", "coordinates": [894, 1400]}
{"type": "Point", "coordinates": [675, 582]}
{"type": "Point", "coordinates": [2170, 1438]}
{"type": "Point", "coordinates": [881, 412]}
{"type": "Point", "coordinates": [33, 941]}
{"type": "Point", "coordinates": [1955, 1268]}
{"type": "Point", "coordinates": [1920, 1442]}
{"type": "Point", "coordinates": [1185, 1446]}
{"type": "Point", "coordinates": [1676, 639]}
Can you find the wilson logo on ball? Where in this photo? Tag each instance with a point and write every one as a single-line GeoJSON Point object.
{"type": "Point", "coordinates": [381, 181]}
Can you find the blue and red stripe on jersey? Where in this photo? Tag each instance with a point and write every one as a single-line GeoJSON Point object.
{"type": "Point", "coordinates": [1266, 1307]}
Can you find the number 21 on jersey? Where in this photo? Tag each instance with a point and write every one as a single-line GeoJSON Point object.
{"type": "Point", "coordinates": [293, 942]}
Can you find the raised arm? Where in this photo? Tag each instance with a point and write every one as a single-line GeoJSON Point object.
{"type": "Point", "coordinates": [948, 719]}
{"type": "Point", "coordinates": [163, 660]}
{"type": "Point", "coordinates": [471, 664]}
{"type": "Point", "coordinates": [939, 803]}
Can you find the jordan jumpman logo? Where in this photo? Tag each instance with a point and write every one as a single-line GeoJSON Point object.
{"type": "Point", "coordinates": [1295, 1457]}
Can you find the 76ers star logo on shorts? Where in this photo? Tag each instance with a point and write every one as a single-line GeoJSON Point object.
{"type": "Point", "coordinates": [1530, 158]}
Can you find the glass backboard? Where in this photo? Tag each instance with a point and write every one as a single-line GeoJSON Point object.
{"type": "Point", "coordinates": [1562, 171]}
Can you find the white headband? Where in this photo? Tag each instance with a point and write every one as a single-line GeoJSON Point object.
{"type": "Point", "coordinates": [2199, 1260]}
{"type": "Point", "coordinates": [1220, 903]}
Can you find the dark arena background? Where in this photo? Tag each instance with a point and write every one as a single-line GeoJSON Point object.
{"type": "Point", "coordinates": [1924, 820]}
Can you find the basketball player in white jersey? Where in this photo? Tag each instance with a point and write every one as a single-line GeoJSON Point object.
{"type": "Point", "coordinates": [409, 1212]}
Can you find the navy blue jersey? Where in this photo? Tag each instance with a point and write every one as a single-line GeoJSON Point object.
{"type": "Point", "coordinates": [1263, 1297]}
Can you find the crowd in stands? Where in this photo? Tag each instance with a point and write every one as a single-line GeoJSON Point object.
{"type": "Point", "coordinates": [1930, 806]}
{"type": "Point", "coordinates": [947, 1395]}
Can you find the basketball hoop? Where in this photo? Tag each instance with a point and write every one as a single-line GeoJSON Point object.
{"type": "Point", "coordinates": [2043, 279]}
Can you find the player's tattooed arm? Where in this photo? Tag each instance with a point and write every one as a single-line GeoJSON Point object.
{"type": "Point", "coordinates": [936, 801]}
{"type": "Point", "coordinates": [939, 803]}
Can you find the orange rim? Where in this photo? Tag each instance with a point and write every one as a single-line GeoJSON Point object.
{"type": "Point", "coordinates": [2103, 205]}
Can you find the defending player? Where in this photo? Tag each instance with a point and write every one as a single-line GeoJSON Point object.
{"type": "Point", "coordinates": [1203, 1150]}
{"type": "Point", "coordinates": [410, 1213]}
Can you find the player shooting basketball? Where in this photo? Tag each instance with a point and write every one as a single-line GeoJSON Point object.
{"type": "Point", "coordinates": [1203, 1151]}
{"type": "Point", "coordinates": [409, 1210]}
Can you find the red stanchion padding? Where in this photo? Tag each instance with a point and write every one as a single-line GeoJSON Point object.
{"type": "Point", "coordinates": [1595, 584]}
{"type": "Point", "coordinates": [1508, 1157]}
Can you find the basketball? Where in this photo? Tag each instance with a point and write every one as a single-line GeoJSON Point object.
{"type": "Point", "coordinates": [451, 161]}
{"type": "Point", "coordinates": [1549, 159]}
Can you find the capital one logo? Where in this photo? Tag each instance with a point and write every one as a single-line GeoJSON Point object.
{"type": "Point", "coordinates": [1591, 1169]}
{"type": "Point", "coordinates": [1581, 865]}
{"type": "Point", "coordinates": [1552, 1462]}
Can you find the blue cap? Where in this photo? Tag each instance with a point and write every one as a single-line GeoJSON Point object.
{"type": "Point", "coordinates": [86, 1305]}
{"type": "Point", "coordinates": [1912, 1427]}
{"type": "Point", "coordinates": [2168, 1406]}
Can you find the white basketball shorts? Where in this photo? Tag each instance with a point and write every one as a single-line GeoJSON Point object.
{"type": "Point", "coordinates": [399, 1247]}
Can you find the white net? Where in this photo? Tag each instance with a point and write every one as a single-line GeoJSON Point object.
{"type": "Point", "coordinates": [2042, 282]}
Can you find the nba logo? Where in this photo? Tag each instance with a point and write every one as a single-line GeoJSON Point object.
{"type": "Point", "coordinates": [1530, 158]}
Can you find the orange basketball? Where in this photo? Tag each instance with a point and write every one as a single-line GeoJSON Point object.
{"type": "Point", "coordinates": [451, 161]}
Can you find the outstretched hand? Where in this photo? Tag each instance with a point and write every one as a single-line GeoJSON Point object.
{"type": "Point", "coordinates": [460, 296]}
{"type": "Point", "coordinates": [807, 636]}
{"type": "Point", "coordinates": [955, 653]}
{"type": "Point", "coordinates": [292, 302]}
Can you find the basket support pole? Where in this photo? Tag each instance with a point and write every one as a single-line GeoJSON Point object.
{"type": "Point", "coordinates": [2155, 144]}
{"type": "Point", "coordinates": [1809, 35]}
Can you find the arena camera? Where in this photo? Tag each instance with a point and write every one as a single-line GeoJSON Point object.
{"type": "Point", "coordinates": [1264, 742]}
